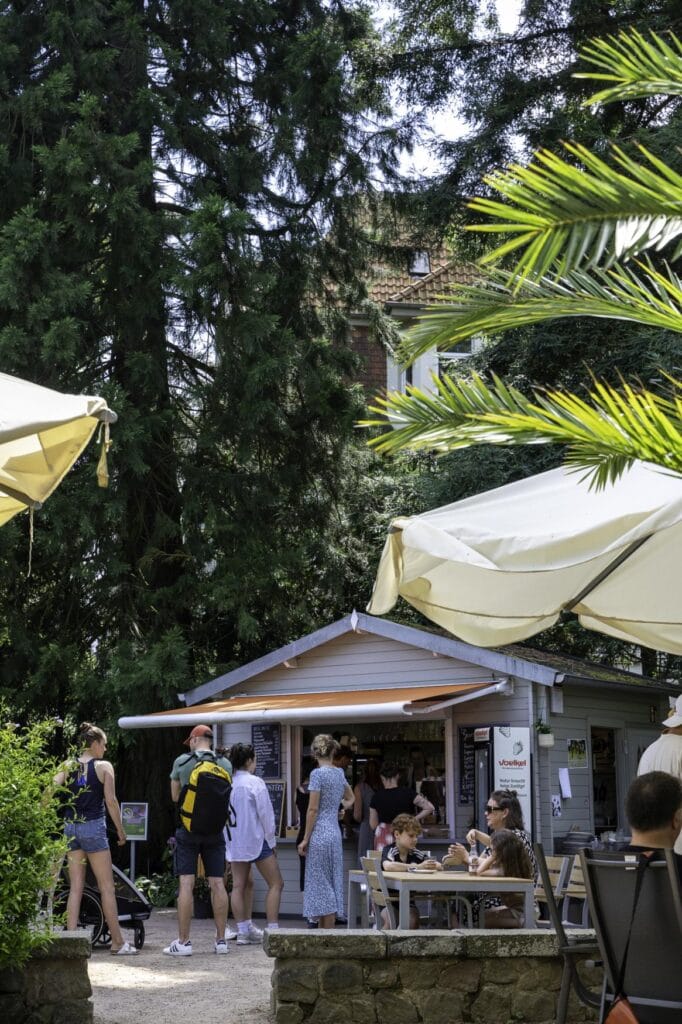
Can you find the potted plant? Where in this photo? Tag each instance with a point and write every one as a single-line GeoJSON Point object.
{"type": "Point", "coordinates": [202, 898]}
{"type": "Point", "coordinates": [545, 734]}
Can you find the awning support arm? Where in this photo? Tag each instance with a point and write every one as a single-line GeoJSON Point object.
{"type": "Point", "coordinates": [504, 686]}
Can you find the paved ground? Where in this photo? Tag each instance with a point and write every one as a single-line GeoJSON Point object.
{"type": "Point", "coordinates": [152, 988]}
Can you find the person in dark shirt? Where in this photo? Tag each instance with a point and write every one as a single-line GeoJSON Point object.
{"type": "Point", "coordinates": [653, 806]}
{"type": "Point", "coordinates": [91, 781]}
{"type": "Point", "coordinates": [392, 800]}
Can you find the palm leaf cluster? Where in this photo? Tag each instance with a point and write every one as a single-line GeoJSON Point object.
{"type": "Point", "coordinates": [579, 233]}
{"type": "Point", "coordinates": [604, 433]}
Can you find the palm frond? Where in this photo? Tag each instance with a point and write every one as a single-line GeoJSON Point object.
{"type": "Point", "coordinates": [567, 214]}
{"type": "Point", "coordinates": [604, 434]}
{"type": "Point", "coordinates": [638, 66]}
{"type": "Point", "coordinates": [642, 295]}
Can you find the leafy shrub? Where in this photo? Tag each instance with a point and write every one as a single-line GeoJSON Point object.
{"type": "Point", "coordinates": [160, 889]}
{"type": "Point", "coordinates": [31, 837]}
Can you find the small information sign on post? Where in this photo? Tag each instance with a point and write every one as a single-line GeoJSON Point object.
{"type": "Point", "coordinates": [134, 817]}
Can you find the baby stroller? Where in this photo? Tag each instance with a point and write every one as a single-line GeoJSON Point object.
{"type": "Point", "coordinates": [133, 908]}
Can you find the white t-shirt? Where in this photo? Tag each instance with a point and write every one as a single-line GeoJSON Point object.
{"type": "Point", "coordinates": [255, 818]}
{"type": "Point", "coordinates": [664, 755]}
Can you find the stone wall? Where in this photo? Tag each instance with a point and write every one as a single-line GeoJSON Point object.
{"type": "Point", "coordinates": [438, 977]}
{"type": "Point", "coordinates": [52, 988]}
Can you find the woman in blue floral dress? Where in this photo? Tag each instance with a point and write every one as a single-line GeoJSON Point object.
{"type": "Point", "coordinates": [321, 844]}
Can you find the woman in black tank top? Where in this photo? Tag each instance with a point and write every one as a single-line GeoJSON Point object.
{"type": "Point", "coordinates": [91, 782]}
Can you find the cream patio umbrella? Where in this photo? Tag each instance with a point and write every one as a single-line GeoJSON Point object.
{"type": "Point", "coordinates": [42, 433]}
{"type": "Point", "coordinates": [503, 565]}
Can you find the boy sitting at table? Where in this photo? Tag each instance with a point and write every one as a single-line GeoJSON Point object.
{"type": "Point", "coordinates": [402, 852]}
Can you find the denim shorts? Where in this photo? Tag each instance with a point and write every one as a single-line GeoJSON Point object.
{"type": "Point", "coordinates": [188, 846]}
{"type": "Point", "coordinates": [88, 836]}
{"type": "Point", "coordinates": [264, 853]}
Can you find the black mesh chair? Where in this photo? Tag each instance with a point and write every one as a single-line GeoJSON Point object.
{"type": "Point", "coordinates": [653, 976]}
{"type": "Point", "coordinates": [573, 946]}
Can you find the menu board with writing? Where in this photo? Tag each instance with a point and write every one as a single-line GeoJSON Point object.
{"type": "Point", "coordinates": [266, 742]}
{"type": "Point", "coordinates": [467, 765]}
{"type": "Point", "coordinates": [276, 793]}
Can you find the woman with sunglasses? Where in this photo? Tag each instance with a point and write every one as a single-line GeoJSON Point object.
{"type": "Point", "coordinates": [503, 811]}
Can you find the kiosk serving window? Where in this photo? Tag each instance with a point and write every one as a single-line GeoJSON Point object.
{"type": "Point", "coordinates": [418, 747]}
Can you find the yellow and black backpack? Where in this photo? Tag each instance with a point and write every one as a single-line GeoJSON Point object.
{"type": "Point", "coordinates": [204, 805]}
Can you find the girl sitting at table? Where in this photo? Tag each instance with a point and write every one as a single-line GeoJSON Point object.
{"type": "Point", "coordinates": [403, 852]}
{"type": "Point", "coordinates": [508, 858]}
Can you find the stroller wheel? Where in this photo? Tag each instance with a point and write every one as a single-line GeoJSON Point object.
{"type": "Point", "coordinates": [91, 916]}
{"type": "Point", "coordinates": [139, 935]}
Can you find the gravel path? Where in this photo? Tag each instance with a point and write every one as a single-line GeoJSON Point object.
{"type": "Point", "coordinates": [152, 987]}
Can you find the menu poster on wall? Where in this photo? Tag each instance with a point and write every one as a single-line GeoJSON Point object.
{"type": "Point", "coordinates": [266, 742]}
{"type": "Point", "coordinates": [466, 765]}
{"type": "Point", "coordinates": [511, 768]}
{"type": "Point", "coordinates": [276, 794]}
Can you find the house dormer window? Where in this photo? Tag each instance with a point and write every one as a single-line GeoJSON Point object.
{"type": "Point", "coordinates": [419, 264]}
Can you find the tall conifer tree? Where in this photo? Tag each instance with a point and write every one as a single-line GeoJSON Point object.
{"type": "Point", "coordinates": [183, 188]}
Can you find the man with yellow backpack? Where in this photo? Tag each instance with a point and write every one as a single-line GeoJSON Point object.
{"type": "Point", "coordinates": [201, 783]}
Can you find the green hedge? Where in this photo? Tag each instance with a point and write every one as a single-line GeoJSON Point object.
{"type": "Point", "coordinates": [31, 840]}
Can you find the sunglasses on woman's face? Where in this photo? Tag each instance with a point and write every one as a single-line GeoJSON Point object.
{"type": "Point", "coordinates": [490, 809]}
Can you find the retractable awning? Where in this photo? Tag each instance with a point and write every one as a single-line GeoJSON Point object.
{"type": "Point", "coordinates": [334, 705]}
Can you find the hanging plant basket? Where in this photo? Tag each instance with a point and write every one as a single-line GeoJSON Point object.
{"type": "Point", "coordinates": [545, 739]}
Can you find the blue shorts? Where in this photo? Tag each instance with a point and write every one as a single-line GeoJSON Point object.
{"type": "Point", "coordinates": [188, 846]}
{"type": "Point", "coordinates": [88, 836]}
{"type": "Point", "coordinates": [264, 853]}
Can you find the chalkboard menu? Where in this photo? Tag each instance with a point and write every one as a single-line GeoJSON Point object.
{"type": "Point", "coordinates": [276, 793]}
{"type": "Point", "coordinates": [266, 742]}
{"type": "Point", "coordinates": [467, 765]}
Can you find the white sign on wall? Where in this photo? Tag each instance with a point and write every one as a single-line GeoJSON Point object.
{"type": "Point", "coordinates": [511, 768]}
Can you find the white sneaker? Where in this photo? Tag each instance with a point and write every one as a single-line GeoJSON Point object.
{"type": "Point", "coordinates": [253, 937]}
{"type": "Point", "coordinates": [230, 935]}
{"type": "Point", "coordinates": [178, 948]}
{"type": "Point", "coordinates": [220, 947]}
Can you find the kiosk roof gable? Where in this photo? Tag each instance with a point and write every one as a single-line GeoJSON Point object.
{"type": "Point", "coordinates": [358, 622]}
{"type": "Point", "coordinates": [545, 668]}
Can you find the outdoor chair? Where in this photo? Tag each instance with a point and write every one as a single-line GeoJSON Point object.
{"type": "Point", "coordinates": [378, 891]}
{"type": "Point", "coordinates": [653, 979]}
{"type": "Point", "coordinates": [571, 945]}
{"type": "Point", "coordinates": [558, 870]}
{"type": "Point", "coordinates": [373, 855]}
{"type": "Point", "coordinates": [575, 911]}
